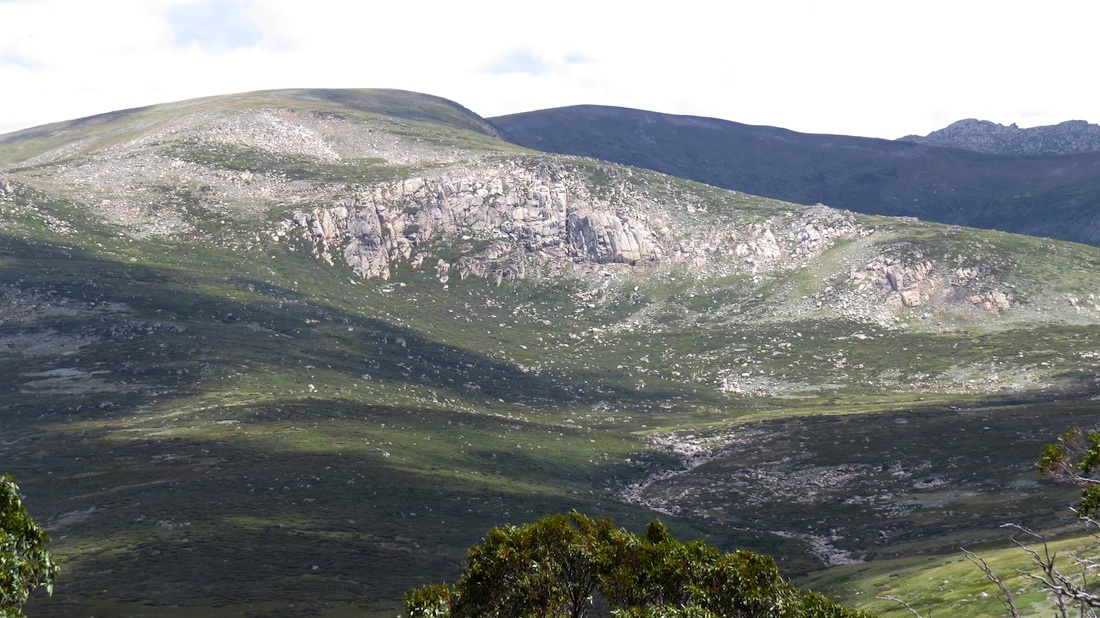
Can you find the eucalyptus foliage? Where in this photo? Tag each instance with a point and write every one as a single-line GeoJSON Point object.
{"type": "Point", "coordinates": [1075, 458]}
{"type": "Point", "coordinates": [25, 563]}
{"type": "Point", "coordinates": [564, 566]}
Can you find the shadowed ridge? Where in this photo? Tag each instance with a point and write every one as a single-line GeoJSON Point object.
{"type": "Point", "coordinates": [1036, 195]}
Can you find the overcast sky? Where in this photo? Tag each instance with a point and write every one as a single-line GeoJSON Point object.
{"type": "Point", "coordinates": [876, 68]}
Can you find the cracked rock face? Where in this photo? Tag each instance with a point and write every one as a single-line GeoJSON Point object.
{"type": "Point", "coordinates": [509, 215]}
{"type": "Point", "coordinates": [516, 213]}
{"type": "Point", "coordinates": [915, 280]}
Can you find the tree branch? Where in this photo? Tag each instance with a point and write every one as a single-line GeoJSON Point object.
{"type": "Point", "coordinates": [904, 604]}
{"type": "Point", "coordinates": [1005, 596]}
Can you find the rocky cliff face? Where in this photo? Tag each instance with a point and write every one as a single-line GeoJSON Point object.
{"type": "Point", "coordinates": [906, 277]}
{"type": "Point", "coordinates": [507, 220]}
{"type": "Point", "coordinates": [500, 215]}
{"type": "Point", "coordinates": [505, 216]}
{"type": "Point", "coordinates": [1070, 137]}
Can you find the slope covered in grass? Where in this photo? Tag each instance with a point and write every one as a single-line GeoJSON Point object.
{"type": "Point", "coordinates": [295, 351]}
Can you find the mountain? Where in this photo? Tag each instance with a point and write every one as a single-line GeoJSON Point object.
{"type": "Point", "coordinates": [1066, 138]}
{"type": "Point", "coordinates": [291, 352]}
{"type": "Point", "coordinates": [1055, 197]}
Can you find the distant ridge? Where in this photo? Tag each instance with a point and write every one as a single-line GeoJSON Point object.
{"type": "Point", "coordinates": [1069, 137]}
{"type": "Point", "coordinates": [1051, 196]}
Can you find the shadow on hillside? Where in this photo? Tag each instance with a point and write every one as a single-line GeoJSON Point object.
{"type": "Point", "coordinates": [922, 479]}
{"type": "Point", "coordinates": [264, 512]}
{"type": "Point", "coordinates": [139, 334]}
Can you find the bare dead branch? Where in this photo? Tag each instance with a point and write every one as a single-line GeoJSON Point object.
{"type": "Point", "coordinates": [905, 605]}
{"type": "Point", "coordinates": [1050, 578]}
{"type": "Point", "coordinates": [1005, 596]}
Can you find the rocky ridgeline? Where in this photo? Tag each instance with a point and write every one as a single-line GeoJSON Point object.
{"type": "Point", "coordinates": [499, 217]}
{"type": "Point", "coordinates": [502, 217]}
{"type": "Point", "coordinates": [923, 281]}
{"type": "Point", "coordinates": [490, 215]}
{"type": "Point", "coordinates": [1070, 137]}
{"type": "Point", "coordinates": [506, 218]}
{"type": "Point", "coordinates": [879, 287]}
{"type": "Point", "coordinates": [519, 213]}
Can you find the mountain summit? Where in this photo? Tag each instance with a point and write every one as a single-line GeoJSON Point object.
{"type": "Point", "coordinates": [1069, 137]}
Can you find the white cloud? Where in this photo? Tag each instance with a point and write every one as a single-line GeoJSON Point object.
{"type": "Point", "coordinates": [519, 61]}
{"type": "Point", "coordinates": [214, 26]}
{"type": "Point", "coordinates": [862, 67]}
{"type": "Point", "coordinates": [17, 61]}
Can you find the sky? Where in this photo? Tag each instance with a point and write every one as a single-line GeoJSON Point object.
{"type": "Point", "coordinates": [873, 68]}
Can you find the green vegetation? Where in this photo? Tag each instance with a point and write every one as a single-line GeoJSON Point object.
{"type": "Point", "coordinates": [25, 563]}
{"type": "Point", "coordinates": [949, 584]}
{"type": "Point", "coordinates": [564, 565]}
{"type": "Point", "coordinates": [1075, 459]}
{"type": "Point", "coordinates": [213, 418]}
{"type": "Point", "coordinates": [1040, 573]}
{"type": "Point", "coordinates": [290, 167]}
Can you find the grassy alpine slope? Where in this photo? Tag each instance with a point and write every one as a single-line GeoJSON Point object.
{"type": "Point", "coordinates": [292, 352]}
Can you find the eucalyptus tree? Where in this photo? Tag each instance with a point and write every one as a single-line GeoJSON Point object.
{"type": "Point", "coordinates": [565, 566]}
{"type": "Point", "coordinates": [25, 562]}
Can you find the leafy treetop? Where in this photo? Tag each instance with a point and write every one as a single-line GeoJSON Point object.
{"type": "Point", "coordinates": [25, 563]}
{"type": "Point", "coordinates": [1075, 458]}
{"type": "Point", "coordinates": [564, 565]}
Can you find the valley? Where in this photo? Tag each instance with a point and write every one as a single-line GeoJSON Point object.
{"type": "Point", "coordinates": [291, 352]}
